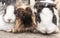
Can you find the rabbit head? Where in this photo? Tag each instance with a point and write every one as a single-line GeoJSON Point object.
{"type": "Point", "coordinates": [24, 13]}
{"type": "Point", "coordinates": [46, 10]}
{"type": "Point", "coordinates": [9, 15]}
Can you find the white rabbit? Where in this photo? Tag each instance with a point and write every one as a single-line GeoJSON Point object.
{"type": "Point", "coordinates": [47, 17]}
{"type": "Point", "coordinates": [7, 19]}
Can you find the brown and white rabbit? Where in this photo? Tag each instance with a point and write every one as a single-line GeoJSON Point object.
{"type": "Point", "coordinates": [25, 19]}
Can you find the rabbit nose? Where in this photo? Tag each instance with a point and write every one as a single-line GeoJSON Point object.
{"type": "Point", "coordinates": [9, 20]}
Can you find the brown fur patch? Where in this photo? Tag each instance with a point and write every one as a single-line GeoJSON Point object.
{"type": "Point", "coordinates": [25, 20]}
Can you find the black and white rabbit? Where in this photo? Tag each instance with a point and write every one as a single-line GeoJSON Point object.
{"type": "Point", "coordinates": [46, 17]}
{"type": "Point", "coordinates": [7, 18]}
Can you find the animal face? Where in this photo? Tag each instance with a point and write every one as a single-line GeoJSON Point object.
{"type": "Point", "coordinates": [9, 15]}
{"type": "Point", "coordinates": [25, 19]}
{"type": "Point", "coordinates": [25, 15]}
{"type": "Point", "coordinates": [46, 17]}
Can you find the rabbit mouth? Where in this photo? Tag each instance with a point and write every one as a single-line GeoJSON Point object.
{"type": "Point", "coordinates": [9, 22]}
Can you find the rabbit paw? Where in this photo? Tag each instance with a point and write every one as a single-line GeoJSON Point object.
{"type": "Point", "coordinates": [14, 31]}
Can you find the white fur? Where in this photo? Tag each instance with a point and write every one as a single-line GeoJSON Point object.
{"type": "Point", "coordinates": [32, 3]}
{"type": "Point", "coordinates": [9, 15]}
{"type": "Point", "coordinates": [46, 25]}
{"type": "Point", "coordinates": [0, 3]}
{"type": "Point", "coordinates": [5, 26]}
{"type": "Point", "coordinates": [48, 1]}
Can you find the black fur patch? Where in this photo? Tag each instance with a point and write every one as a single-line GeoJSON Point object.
{"type": "Point", "coordinates": [38, 19]}
{"type": "Point", "coordinates": [26, 20]}
{"type": "Point", "coordinates": [39, 0]}
{"type": "Point", "coordinates": [39, 8]}
{"type": "Point", "coordinates": [43, 0]}
{"type": "Point", "coordinates": [54, 20]}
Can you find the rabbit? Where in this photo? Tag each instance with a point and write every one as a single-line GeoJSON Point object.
{"type": "Point", "coordinates": [47, 18]}
{"type": "Point", "coordinates": [25, 19]}
{"type": "Point", "coordinates": [7, 19]}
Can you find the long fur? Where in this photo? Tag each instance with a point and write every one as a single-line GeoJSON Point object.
{"type": "Point", "coordinates": [25, 19]}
